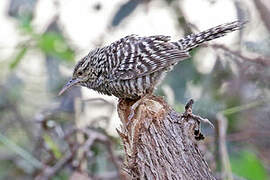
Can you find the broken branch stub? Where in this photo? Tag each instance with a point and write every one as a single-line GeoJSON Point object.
{"type": "Point", "coordinates": [159, 143]}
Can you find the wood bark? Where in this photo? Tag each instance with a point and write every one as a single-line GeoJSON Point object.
{"type": "Point", "coordinates": [159, 143]}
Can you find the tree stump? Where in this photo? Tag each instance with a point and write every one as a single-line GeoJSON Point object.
{"type": "Point", "coordinates": [159, 143]}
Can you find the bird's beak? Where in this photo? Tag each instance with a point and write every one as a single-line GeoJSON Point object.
{"type": "Point", "coordinates": [69, 84]}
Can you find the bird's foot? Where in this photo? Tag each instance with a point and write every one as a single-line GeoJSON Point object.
{"type": "Point", "coordinates": [133, 109]}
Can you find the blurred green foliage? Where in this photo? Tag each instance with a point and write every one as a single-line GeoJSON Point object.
{"type": "Point", "coordinates": [54, 44]}
{"type": "Point", "coordinates": [21, 152]}
{"type": "Point", "coordinates": [18, 57]}
{"type": "Point", "coordinates": [49, 43]}
{"type": "Point", "coordinates": [246, 164]}
{"type": "Point", "coordinates": [61, 176]}
{"type": "Point", "coordinates": [52, 146]}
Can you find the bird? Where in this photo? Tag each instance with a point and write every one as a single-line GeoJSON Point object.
{"type": "Point", "coordinates": [133, 66]}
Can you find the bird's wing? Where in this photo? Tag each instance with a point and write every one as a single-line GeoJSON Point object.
{"type": "Point", "coordinates": [139, 56]}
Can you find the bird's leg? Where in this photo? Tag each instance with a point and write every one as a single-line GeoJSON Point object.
{"type": "Point", "coordinates": [134, 107]}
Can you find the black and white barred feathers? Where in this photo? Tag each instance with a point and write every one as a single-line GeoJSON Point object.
{"type": "Point", "coordinates": [132, 66]}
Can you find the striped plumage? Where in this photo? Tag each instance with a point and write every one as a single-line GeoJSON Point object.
{"type": "Point", "coordinates": [132, 66]}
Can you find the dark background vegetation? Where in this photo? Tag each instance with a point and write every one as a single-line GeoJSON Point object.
{"type": "Point", "coordinates": [44, 136]}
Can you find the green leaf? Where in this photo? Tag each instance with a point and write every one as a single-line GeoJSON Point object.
{"type": "Point", "coordinates": [18, 58]}
{"type": "Point", "coordinates": [243, 107]}
{"type": "Point", "coordinates": [53, 146]}
{"type": "Point", "coordinates": [54, 44]}
{"type": "Point", "coordinates": [248, 166]}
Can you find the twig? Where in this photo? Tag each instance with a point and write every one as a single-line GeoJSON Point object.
{"type": "Point", "coordinates": [79, 136]}
{"type": "Point", "coordinates": [247, 134]}
{"type": "Point", "coordinates": [243, 107]}
{"type": "Point", "coordinates": [222, 127]}
{"type": "Point", "coordinates": [92, 136]}
{"type": "Point", "coordinates": [264, 11]}
{"type": "Point", "coordinates": [98, 99]}
{"type": "Point", "coordinates": [21, 152]}
{"type": "Point", "coordinates": [49, 172]}
{"type": "Point", "coordinates": [258, 60]}
{"type": "Point", "coordinates": [96, 136]}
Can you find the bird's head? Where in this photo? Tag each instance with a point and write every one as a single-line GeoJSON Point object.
{"type": "Point", "coordinates": [84, 74]}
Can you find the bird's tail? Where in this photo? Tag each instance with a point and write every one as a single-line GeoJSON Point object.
{"type": "Point", "coordinates": [191, 41]}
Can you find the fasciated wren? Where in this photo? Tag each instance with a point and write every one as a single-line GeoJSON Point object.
{"type": "Point", "coordinates": [133, 66]}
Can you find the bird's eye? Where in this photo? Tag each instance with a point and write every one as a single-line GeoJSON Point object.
{"type": "Point", "coordinates": [80, 73]}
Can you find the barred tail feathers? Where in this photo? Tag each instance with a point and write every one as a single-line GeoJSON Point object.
{"type": "Point", "coordinates": [191, 41]}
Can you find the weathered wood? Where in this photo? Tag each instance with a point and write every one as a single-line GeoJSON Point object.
{"type": "Point", "coordinates": [159, 143]}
